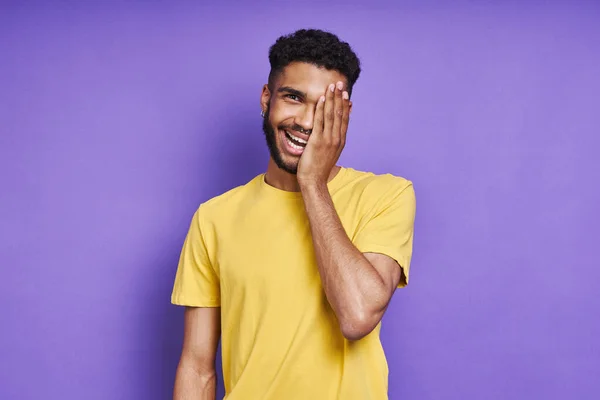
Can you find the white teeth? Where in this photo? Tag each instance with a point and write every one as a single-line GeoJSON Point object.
{"type": "Point", "coordinates": [300, 140]}
{"type": "Point", "coordinates": [297, 138]}
{"type": "Point", "coordinates": [294, 145]}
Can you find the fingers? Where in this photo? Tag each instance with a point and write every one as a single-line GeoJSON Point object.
{"type": "Point", "coordinates": [332, 115]}
{"type": "Point", "coordinates": [319, 117]}
{"type": "Point", "coordinates": [345, 117]}
{"type": "Point", "coordinates": [329, 113]}
{"type": "Point", "coordinates": [338, 107]}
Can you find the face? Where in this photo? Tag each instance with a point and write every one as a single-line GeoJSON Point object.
{"type": "Point", "coordinates": [290, 108]}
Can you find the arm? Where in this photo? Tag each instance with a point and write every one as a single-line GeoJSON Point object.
{"type": "Point", "coordinates": [196, 377]}
{"type": "Point", "coordinates": [358, 286]}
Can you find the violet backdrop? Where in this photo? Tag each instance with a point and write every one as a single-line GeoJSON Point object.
{"type": "Point", "coordinates": [117, 119]}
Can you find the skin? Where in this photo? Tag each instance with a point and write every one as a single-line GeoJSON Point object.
{"type": "Point", "coordinates": [358, 285]}
{"type": "Point", "coordinates": [196, 377]}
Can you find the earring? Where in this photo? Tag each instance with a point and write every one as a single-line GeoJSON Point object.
{"type": "Point", "coordinates": [262, 113]}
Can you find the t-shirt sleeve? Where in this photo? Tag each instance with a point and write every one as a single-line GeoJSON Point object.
{"type": "Point", "coordinates": [390, 228]}
{"type": "Point", "coordinates": [196, 281]}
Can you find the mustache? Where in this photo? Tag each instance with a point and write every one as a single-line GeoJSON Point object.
{"type": "Point", "coordinates": [296, 128]}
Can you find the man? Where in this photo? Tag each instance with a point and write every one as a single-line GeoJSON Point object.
{"type": "Point", "coordinates": [295, 269]}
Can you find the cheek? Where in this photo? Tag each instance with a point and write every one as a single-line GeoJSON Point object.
{"type": "Point", "coordinates": [283, 114]}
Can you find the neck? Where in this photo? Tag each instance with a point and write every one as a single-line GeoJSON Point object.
{"type": "Point", "coordinates": [283, 180]}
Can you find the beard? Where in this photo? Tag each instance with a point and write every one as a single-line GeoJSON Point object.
{"type": "Point", "coordinates": [276, 155]}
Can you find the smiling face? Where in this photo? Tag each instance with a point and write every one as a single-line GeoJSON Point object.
{"type": "Point", "coordinates": [289, 106]}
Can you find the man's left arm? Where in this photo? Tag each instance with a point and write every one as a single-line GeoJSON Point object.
{"type": "Point", "coordinates": [358, 285]}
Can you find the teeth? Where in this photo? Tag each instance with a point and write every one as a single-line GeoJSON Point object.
{"type": "Point", "coordinates": [297, 138]}
{"type": "Point", "coordinates": [294, 145]}
{"type": "Point", "coordinates": [300, 140]}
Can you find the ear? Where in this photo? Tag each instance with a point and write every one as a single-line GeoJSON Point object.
{"type": "Point", "coordinates": [349, 108]}
{"type": "Point", "coordinates": [265, 98]}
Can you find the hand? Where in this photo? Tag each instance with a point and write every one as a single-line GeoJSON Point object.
{"type": "Point", "coordinates": [327, 139]}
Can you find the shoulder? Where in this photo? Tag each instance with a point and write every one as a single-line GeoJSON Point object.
{"type": "Point", "coordinates": [379, 186]}
{"type": "Point", "coordinates": [224, 205]}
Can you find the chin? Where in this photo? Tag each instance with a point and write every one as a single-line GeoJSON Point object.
{"type": "Point", "coordinates": [289, 167]}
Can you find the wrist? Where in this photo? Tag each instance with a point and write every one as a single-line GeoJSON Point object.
{"type": "Point", "coordinates": [312, 185]}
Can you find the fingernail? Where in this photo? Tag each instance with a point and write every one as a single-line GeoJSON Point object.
{"type": "Point", "coordinates": [345, 95]}
{"type": "Point", "coordinates": [331, 87]}
{"type": "Point", "coordinates": [340, 85]}
{"type": "Point", "coordinates": [322, 99]}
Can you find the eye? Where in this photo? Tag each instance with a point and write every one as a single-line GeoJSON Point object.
{"type": "Point", "coordinates": [293, 97]}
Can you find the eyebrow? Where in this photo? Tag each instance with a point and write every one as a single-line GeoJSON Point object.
{"type": "Point", "coordinates": [287, 89]}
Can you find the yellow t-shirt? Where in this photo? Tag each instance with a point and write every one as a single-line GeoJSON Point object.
{"type": "Point", "coordinates": [250, 252]}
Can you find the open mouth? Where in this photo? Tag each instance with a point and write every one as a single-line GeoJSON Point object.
{"type": "Point", "coordinates": [295, 142]}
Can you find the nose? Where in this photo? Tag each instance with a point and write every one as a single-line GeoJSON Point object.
{"type": "Point", "coordinates": [305, 117]}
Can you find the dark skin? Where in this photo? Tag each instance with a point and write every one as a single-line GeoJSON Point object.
{"type": "Point", "coordinates": [358, 285]}
{"type": "Point", "coordinates": [292, 104]}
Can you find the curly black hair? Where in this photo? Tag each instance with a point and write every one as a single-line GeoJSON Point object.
{"type": "Point", "coordinates": [317, 47]}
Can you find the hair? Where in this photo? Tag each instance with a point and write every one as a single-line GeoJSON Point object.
{"type": "Point", "coordinates": [320, 48]}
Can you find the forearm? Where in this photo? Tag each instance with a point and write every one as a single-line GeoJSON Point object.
{"type": "Point", "coordinates": [191, 383]}
{"type": "Point", "coordinates": [354, 288]}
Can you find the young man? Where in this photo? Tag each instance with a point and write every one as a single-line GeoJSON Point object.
{"type": "Point", "coordinates": [295, 269]}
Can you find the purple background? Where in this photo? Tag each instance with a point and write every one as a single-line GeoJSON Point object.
{"type": "Point", "coordinates": [117, 120]}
